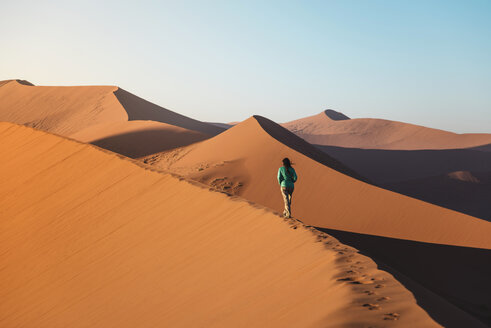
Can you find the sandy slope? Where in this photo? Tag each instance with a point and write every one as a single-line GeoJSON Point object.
{"type": "Point", "coordinates": [138, 138]}
{"type": "Point", "coordinates": [81, 111]}
{"type": "Point", "coordinates": [424, 174]}
{"type": "Point", "coordinates": [463, 191]}
{"type": "Point", "coordinates": [248, 155]}
{"type": "Point", "coordinates": [244, 160]}
{"type": "Point", "coordinates": [379, 134]}
{"type": "Point", "coordinates": [90, 239]}
{"type": "Point", "coordinates": [389, 166]}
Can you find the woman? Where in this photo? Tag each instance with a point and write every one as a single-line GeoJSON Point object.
{"type": "Point", "coordinates": [286, 178]}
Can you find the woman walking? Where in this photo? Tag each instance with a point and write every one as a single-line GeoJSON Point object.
{"type": "Point", "coordinates": [287, 178]}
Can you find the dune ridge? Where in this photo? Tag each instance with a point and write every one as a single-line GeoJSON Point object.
{"type": "Point", "coordinates": [138, 138]}
{"type": "Point", "coordinates": [103, 241]}
{"type": "Point", "coordinates": [250, 154]}
{"type": "Point", "coordinates": [244, 161]}
{"type": "Point", "coordinates": [463, 191]}
{"type": "Point", "coordinates": [370, 133]}
{"type": "Point", "coordinates": [92, 113]}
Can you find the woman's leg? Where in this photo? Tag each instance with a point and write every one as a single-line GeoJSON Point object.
{"type": "Point", "coordinates": [290, 196]}
{"type": "Point", "coordinates": [286, 200]}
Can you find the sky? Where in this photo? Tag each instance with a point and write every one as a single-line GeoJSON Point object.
{"type": "Point", "coordinates": [423, 62]}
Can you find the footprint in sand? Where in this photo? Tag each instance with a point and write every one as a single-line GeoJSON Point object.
{"type": "Point", "coordinates": [371, 306]}
{"type": "Point", "coordinates": [370, 292]}
{"type": "Point", "coordinates": [391, 316]}
{"type": "Point", "coordinates": [383, 298]}
{"type": "Point", "coordinates": [379, 286]}
{"type": "Point", "coordinates": [356, 280]}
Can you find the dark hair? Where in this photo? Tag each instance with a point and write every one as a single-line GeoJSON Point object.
{"type": "Point", "coordinates": [287, 164]}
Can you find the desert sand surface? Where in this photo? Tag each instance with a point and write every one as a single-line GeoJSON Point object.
{"type": "Point", "coordinates": [83, 111]}
{"type": "Point", "coordinates": [244, 160]}
{"type": "Point", "coordinates": [390, 166]}
{"type": "Point", "coordinates": [462, 191]}
{"type": "Point", "coordinates": [409, 159]}
{"type": "Point", "coordinates": [429, 175]}
{"type": "Point", "coordinates": [331, 128]}
{"type": "Point", "coordinates": [138, 138]}
{"type": "Point", "coordinates": [92, 239]}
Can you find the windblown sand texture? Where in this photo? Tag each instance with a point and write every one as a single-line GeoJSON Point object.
{"type": "Point", "coordinates": [91, 239]}
{"type": "Point", "coordinates": [244, 161]}
{"type": "Point", "coordinates": [104, 115]}
{"type": "Point", "coordinates": [250, 153]}
{"type": "Point", "coordinates": [330, 128]}
{"type": "Point", "coordinates": [409, 159]}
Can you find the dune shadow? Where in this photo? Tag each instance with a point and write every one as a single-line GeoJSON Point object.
{"type": "Point", "coordinates": [146, 142]}
{"type": "Point", "coordinates": [486, 148]}
{"type": "Point", "coordinates": [423, 174]}
{"type": "Point", "coordinates": [460, 275]}
{"type": "Point", "coordinates": [335, 116]}
{"type": "Point", "coordinates": [140, 109]}
{"type": "Point", "coordinates": [468, 197]}
{"type": "Point", "coordinates": [298, 144]}
{"type": "Point", "coordinates": [388, 166]}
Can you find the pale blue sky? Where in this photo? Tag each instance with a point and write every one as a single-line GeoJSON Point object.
{"type": "Point", "coordinates": [423, 62]}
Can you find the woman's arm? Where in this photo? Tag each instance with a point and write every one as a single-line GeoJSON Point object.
{"type": "Point", "coordinates": [280, 176]}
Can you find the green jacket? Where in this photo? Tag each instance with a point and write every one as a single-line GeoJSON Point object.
{"type": "Point", "coordinates": [287, 179]}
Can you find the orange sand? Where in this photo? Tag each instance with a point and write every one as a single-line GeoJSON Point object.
{"type": "Point", "coordinates": [379, 134]}
{"type": "Point", "coordinates": [138, 138]}
{"type": "Point", "coordinates": [245, 159]}
{"type": "Point", "coordinates": [105, 115]}
{"type": "Point", "coordinates": [90, 239]}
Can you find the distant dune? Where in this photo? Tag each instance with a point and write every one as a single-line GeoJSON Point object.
{"type": "Point", "coordinates": [138, 138]}
{"type": "Point", "coordinates": [222, 125]}
{"type": "Point", "coordinates": [244, 160]}
{"type": "Point", "coordinates": [410, 159]}
{"type": "Point", "coordinates": [424, 174]}
{"type": "Point", "coordinates": [328, 129]}
{"type": "Point", "coordinates": [248, 155]}
{"type": "Point", "coordinates": [91, 239]}
{"type": "Point", "coordinates": [81, 111]}
{"type": "Point", "coordinates": [389, 166]}
{"type": "Point", "coordinates": [463, 191]}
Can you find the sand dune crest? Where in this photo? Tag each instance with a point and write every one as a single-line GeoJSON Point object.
{"type": "Point", "coordinates": [369, 133]}
{"type": "Point", "coordinates": [102, 242]}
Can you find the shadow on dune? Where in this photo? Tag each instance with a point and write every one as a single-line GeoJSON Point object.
{"type": "Point", "coordinates": [335, 116]}
{"type": "Point", "coordinates": [146, 142]}
{"type": "Point", "coordinates": [460, 275]}
{"type": "Point", "coordinates": [387, 166]}
{"type": "Point", "coordinates": [486, 148]}
{"type": "Point", "coordinates": [422, 174]}
{"type": "Point", "coordinates": [472, 198]}
{"type": "Point", "coordinates": [296, 143]}
{"type": "Point", "coordinates": [140, 109]}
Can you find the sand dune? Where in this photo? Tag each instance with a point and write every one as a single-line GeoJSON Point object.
{"type": "Point", "coordinates": [425, 174]}
{"type": "Point", "coordinates": [390, 166]}
{"type": "Point", "coordinates": [463, 191]}
{"type": "Point", "coordinates": [91, 239]}
{"type": "Point", "coordinates": [138, 138]}
{"type": "Point", "coordinates": [222, 125]}
{"type": "Point", "coordinates": [244, 160]}
{"type": "Point", "coordinates": [83, 111]}
{"type": "Point", "coordinates": [368, 133]}
{"type": "Point", "coordinates": [248, 155]}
